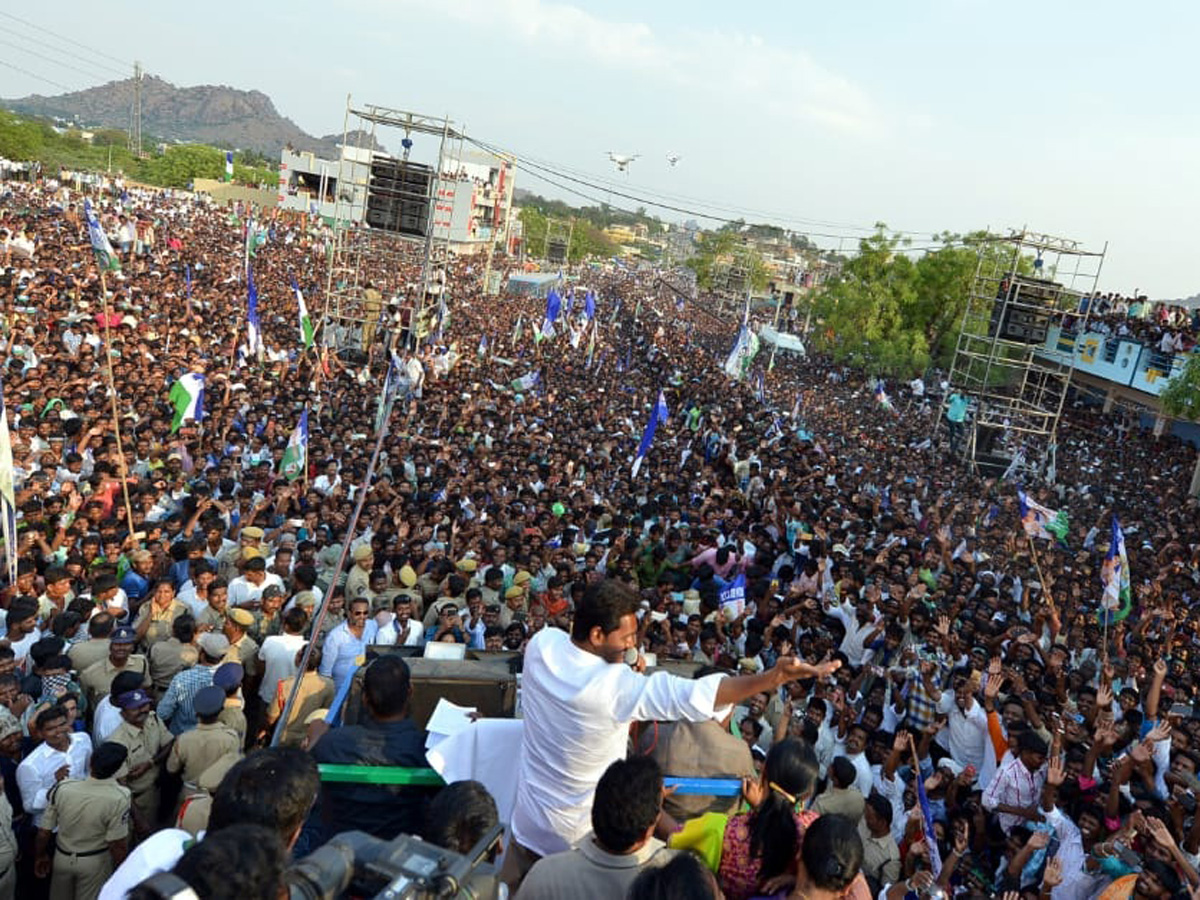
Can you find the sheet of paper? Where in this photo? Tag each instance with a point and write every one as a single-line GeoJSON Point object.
{"type": "Point", "coordinates": [448, 719]}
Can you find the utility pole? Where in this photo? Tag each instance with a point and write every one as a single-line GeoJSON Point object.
{"type": "Point", "coordinates": [135, 114]}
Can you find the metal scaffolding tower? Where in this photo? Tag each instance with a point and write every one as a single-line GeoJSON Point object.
{"type": "Point", "coordinates": [374, 272]}
{"type": "Point", "coordinates": [1024, 282]}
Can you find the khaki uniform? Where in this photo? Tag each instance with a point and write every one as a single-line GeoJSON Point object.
{"type": "Point", "coordinates": [89, 815]}
{"type": "Point", "coordinates": [143, 744]}
{"type": "Point", "coordinates": [264, 627]}
{"type": "Point", "coordinates": [97, 678]}
{"type": "Point", "coordinates": [316, 692]}
{"type": "Point", "coordinates": [194, 813]}
{"type": "Point", "coordinates": [87, 653]}
{"type": "Point", "coordinates": [160, 620]}
{"type": "Point", "coordinates": [210, 620]}
{"type": "Point", "coordinates": [196, 750]}
{"type": "Point", "coordinates": [245, 651]}
{"type": "Point", "coordinates": [8, 851]}
{"type": "Point", "coordinates": [168, 659]}
{"type": "Point", "coordinates": [233, 717]}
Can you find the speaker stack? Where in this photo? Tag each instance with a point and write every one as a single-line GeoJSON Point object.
{"type": "Point", "coordinates": [398, 198]}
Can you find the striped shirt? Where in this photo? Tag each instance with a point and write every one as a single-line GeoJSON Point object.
{"type": "Point", "coordinates": [176, 708]}
{"type": "Point", "coordinates": [1014, 785]}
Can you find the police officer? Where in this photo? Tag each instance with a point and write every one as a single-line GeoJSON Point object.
{"type": "Point", "coordinates": [97, 678]}
{"type": "Point", "coordinates": [148, 741]}
{"type": "Point", "coordinates": [88, 820]}
{"type": "Point", "coordinates": [196, 750]}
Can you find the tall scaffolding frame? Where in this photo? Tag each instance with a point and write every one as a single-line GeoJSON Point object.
{"type": "Point", "coordinates": [1024, 282]}
{"type": "Point", "coordinates": [559, 233]}
{"type": "Point", "coordinates": [407, 270]}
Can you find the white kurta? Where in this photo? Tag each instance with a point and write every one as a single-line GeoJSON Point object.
{"type": "Point", "coordinates": [577, 710]}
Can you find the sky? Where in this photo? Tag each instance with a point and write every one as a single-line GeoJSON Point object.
{"type": "Point", "coordinates": [1072, 119]}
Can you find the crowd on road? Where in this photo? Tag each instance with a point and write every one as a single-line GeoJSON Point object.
{"type": "Point", "coordinates": [918, 696]}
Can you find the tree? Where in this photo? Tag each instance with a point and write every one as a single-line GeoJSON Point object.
{"type": "Point", "coordinates": [20, 140]}
{"type": "Point", "coordinates": [716, 250]}
{"type": "Point", "coordinates": [586, 239]}
{"type": "Point", "coordinates": [1180, 399]}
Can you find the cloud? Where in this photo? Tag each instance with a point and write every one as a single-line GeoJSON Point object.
{"type": "Point", "coordinates": [729, 66]}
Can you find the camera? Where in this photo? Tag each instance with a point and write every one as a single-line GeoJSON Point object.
{"type": "Point", "coordinates": [355, 864]}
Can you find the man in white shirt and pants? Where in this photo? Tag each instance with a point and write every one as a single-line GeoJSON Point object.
{"type": "Point", "coordinates": [578, 697]}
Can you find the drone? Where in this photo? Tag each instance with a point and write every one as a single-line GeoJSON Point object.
{"type": "Point", "coordinates": [673, 158]}
{"type": "Point", "coordinates": [621, 160]}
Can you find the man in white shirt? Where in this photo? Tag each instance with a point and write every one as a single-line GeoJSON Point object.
{"type": "Point", "coordinates": [966, 733]}
{"type": "Point", "coordinates": [278, 653]}
{"type": "Point", "coordinates": [61, 754]}
{"type": "Point", "coordinates": [579, 696]}
{"type": "Point", "coordinates": [247, 588]}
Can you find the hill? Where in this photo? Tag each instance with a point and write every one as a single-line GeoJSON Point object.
{"type": "Point", "coordinates": [209, 114]}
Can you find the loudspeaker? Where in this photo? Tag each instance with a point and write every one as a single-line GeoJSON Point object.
{"type": "Point", "coordinates": [398, 198]}
{"type": "Point", "coordinates": [556, 250]}
{"type": "Point", "coordinates": [484, 684]}
{"type": "Point", "coordinates": [1024, 326]}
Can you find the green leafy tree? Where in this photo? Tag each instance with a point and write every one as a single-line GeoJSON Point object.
{"type": "Point", "coordinates": [586, 239]}
{"type": "Point", "coordinates": [1181, 400]}
{"type": "Point", "coordinates": [716, 250]}
{"type": "Point", "coordinates": [20, 139]}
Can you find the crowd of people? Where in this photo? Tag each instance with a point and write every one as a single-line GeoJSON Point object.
{"type": "Point", "coordinates": [915, 696]}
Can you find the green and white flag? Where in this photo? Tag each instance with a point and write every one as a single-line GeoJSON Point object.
{"type": "Point", "coordinates": [306, 325]}
{"type": "Point", "coordinates": [187, 397]}
{"type": "Point", "coordinates": [295, 455]}
{"type": "Point", "coordinates": [229, 165]}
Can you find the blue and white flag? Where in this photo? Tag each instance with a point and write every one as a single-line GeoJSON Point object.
{"type": "Point", "coordinates": [658, 414]}
{"type": "Point", "coordinates": [553, 306]}
{"type": "Point", "coordinates": [525, 382]}
{"type": "Point", "coordinates": [733, 598]}
{"type": "Point", "coordinates": [483, 347]}
{"type": "Point", "coordinates": [229, 165]}
{"type": "Point", "coordinates": [391, 387]}
{"type": "Point", "coordinates": [570, 302]}
{"type": "Point", "coordinates": [8, 496]}
{"type": "Point", "coordinates": [760, 393]}
{"type": "Point", "coordinates": [745, 348]}
{"type": "Point", "coordinates": [1116, 602]}
{"type": "Point", "coordinates": [105, 257]}
{"type": "Point", "coordinates": [589, 305]}
{"type": "Point", "coordinates": [935, 855]}
{"type": "Point", "coordinates": [187, 283]}
{"type": "Point", "coordinates": [254, 341]}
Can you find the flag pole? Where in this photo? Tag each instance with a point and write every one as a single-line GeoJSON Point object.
{"type": "Point", "coordinates": [304, 469]}
{"type": "Point", "coordinates": [1038, 565]}
{"type": "Point", "coordinates": [112, 390]}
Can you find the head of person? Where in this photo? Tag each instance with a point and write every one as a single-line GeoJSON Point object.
{"type": "Point", "coordinates": [789, 777]}
{"type": "Point", "coordinates": [273, 788]}
{"type": "Point", "coordinates": [52, 725]}
{"type": "Point", "coordinates": [831, 857]}
{"type": "Point", "coordinates": [685, 877]}
{"type": "Point", "coordinates": [387, 688]}
{"type": "Point", "coordinates": [108, 759]}
{"type": "Point", "coordinates": [627, 804]}
{"type": "Point", "coordinates": [254, 852]}
{"type": "Point", "coordinates": [842, 772]}
{"type": "Point", "coordinates": [606, 619]}
{"type": "Point", "coordinates": [460, 815]}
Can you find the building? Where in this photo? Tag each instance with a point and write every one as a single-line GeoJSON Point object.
{"type": "Point", "coordinates": [472, 199]}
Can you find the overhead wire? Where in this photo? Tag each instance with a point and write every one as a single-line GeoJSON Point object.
{"type": "Point", "coordinates": [652, 199]}
{"type": "Point", "coordinates": [605, 183]}
{"type": "Point", "coordinates": [52, 61]}
{"type": "Point", "coordinates": [98, 66]}
{"type": "Point", "coordinates": [539, 171]}
{"type": "Point", "coordinates": [34, 75]}
{"type": "Point", "coordinates": [64, 38]}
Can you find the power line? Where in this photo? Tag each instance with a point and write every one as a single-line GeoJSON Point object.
{"type": "Point", "coordinates": [99, 66]}
{"type": "Point", "coordinates": [34, 75]}
{"type": "Point", "coordinates": [602, 182]}
{"type": "Point", "coordinates": [64, 38]}
{"type": "Point", "coordinates": [532, 168]}
{"type": "Point", "coordinates": [48, 59]}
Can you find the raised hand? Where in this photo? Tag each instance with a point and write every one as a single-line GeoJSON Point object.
{"type": "Point", "coordinates": [1039, 839]}
{"type": "Point", "coordinates": [1055, 771]}
{"type": "Point", "coordinates": [1159, 831]}
{"type": "Point", "coordinates": [1104, 696]}
{"type": "Point", "coordinates": [1160, 668]}
{"type": "Point", "coordinates": [1160, 732]}
{"type": "Point", "coordinates": [1053, 875]}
